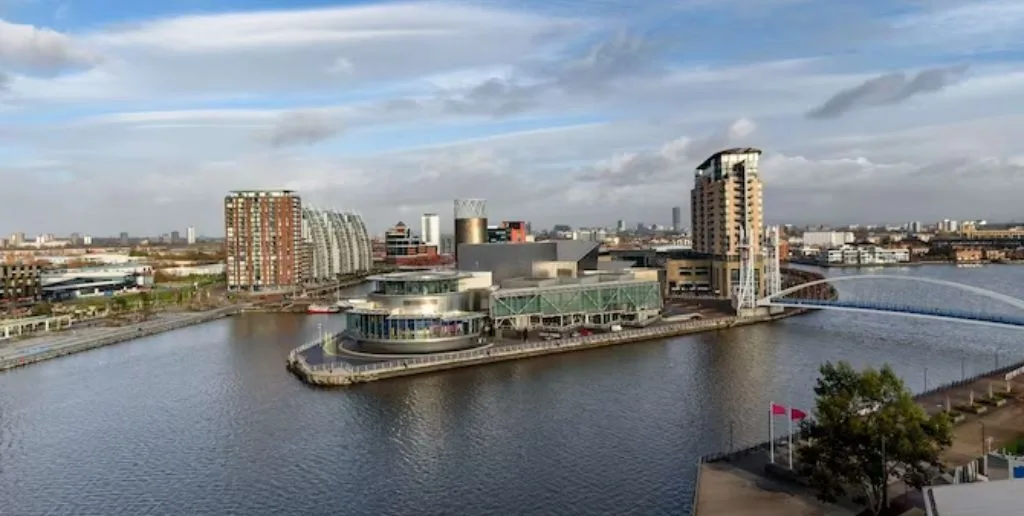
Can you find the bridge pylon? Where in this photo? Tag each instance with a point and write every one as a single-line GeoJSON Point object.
{"type": "Point", "coordinates": [745, 293]}
{"type": "Point", "coordinates": [772, 266]}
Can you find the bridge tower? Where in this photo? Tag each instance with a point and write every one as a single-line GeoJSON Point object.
{"type": "Point", "coordinates": [745, 297]}
{"type": "Point", "coordinates": [772, 265]}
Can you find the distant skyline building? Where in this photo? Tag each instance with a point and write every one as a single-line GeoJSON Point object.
{"type": "Point", "coordinates": [430, 229]}
{"type": "Point", "coordinates": [677, 218]}
{"type": "Point", "coordinates": [263, 240]}
{"type": "Point", "coordinates": [190, 235]}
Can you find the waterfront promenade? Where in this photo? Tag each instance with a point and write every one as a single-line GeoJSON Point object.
{"type": "Point", "coordinates": [27, 351]}
{"type": "Point", "coordinates": [333, 373]}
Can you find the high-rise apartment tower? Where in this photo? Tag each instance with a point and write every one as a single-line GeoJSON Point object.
{"type": "Point", "coordinates": [263, 239]}
{"type": "Point", "coordinates": [677, 218]}
{"type": "Point", "coordinates": [726, 214]}
{"type": "Point", "coordinates": [190, 235]}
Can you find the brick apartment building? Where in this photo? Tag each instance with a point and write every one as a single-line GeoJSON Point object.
{"type": "Point", "coordinates": [263, 240]}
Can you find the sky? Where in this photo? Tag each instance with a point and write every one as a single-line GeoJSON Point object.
{"type": "Point", "coordinates": [140, 116]}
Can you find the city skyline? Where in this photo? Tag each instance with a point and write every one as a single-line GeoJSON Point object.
{"type": "Point", "coordinates": [124, 119]}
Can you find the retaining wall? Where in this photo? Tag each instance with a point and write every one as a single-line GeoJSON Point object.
{"type": "Point", "coordinates": [130, 333]}
{"type": "Point", "coordinates": [341, 375]}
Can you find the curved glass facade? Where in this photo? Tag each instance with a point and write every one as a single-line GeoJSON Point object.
{"type": "Point", "coordinates": [408, 327]}
{"type": "Point", "coordinates": [338, 241]}
{"type": "Point", "coordinates": [416, 312]}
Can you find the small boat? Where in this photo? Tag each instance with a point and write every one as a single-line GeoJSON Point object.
{"type": "Point", "coordinates": [323, 309]}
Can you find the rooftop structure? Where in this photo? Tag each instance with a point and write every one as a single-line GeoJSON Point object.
{"type": "Point", "coordinates": [515, 260]}
{"type": "Point", "coordinates": [974, 499]}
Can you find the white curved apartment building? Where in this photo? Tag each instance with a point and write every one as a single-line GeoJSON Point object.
{"type": "Point", "coordinates": [337, 241]}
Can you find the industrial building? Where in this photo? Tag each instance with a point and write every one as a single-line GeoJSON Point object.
{"type": "Point", "coordinates": [337, 243]}
{"type": "Point", "coordinates": [420, 312]}
{"type": "Point", "coordinates": [63, 284]}
{"type": "Point", "coordinates": [470, 223]}
{"type": "Point", "coordinates": [263, 240]}
{"type": "Point", "coordinates": [20, 283]}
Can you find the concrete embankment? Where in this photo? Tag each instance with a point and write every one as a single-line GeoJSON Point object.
{"type": "Point", "coordinates": [331, 375]}
{"type": "Point", "coordinates": [46, 347]}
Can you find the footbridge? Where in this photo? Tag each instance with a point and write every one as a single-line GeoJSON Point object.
{"type": "Point", "coordinates": [789, 298]}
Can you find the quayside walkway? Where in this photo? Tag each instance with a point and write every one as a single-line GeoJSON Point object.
{"type": "Point", "coordinates": [339, 373]}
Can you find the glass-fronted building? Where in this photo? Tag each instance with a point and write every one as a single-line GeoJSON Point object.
{"type": "Point", "coordinates": [420, 312]}
{"type": "Point", "coordinates": [597, 300]}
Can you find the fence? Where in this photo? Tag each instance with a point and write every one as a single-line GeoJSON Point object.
{"type": "Point", "coordinates": [509, 350]}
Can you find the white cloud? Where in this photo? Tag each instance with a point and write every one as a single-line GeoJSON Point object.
{"type": "Point", "coordinates": [34, 49]}
{"type": "Point", "coordinates": [401, 107]}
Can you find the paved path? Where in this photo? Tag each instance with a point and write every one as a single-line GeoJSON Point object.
{"type": "Point", "coordinates": [726, 490]}
{"type": "Point", "coordinates": [75, 337]}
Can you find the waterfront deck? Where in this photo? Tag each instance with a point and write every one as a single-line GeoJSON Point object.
{"type": "Point", "coordinates": [725, 490]}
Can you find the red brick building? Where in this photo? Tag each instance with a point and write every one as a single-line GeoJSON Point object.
{"type": "Point", "coordinates": [263, 240]}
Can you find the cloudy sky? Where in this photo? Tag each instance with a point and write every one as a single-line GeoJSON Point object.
{"type": "Point", "coordinates": [140, 116]}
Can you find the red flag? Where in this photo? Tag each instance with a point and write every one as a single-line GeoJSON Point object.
{"type": "Point", "coordinates": [778, 410]}
{"type": "Point", "coordinates": [797, 414]}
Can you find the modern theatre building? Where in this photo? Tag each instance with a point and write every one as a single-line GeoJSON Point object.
{"type": "Point", "coordinates": [420, 312]}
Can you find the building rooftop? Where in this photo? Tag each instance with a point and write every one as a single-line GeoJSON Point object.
{"type": "Point", "coordinates": [974, 499]}
{"type": "Point", "coordinates": [735, 150]}
{"type": "Point", "coordinates": [434, 275]}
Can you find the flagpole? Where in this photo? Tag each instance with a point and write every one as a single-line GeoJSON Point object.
{"type": "Point", "coordinates": [790, 418]}
{"type": "Point", "coordinates": [771, 432]}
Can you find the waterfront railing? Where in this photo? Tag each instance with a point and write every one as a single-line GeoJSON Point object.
{"type": "Point", "coordinates": [508, 349]}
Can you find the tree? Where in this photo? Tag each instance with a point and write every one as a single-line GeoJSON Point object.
{"type": "Point", "coordinates": [868, 428]}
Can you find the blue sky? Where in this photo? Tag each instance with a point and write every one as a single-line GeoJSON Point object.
{"type": "Point", "coordinates": [564, 111]}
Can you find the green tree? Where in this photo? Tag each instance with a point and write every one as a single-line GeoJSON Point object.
{"type": "Point", "coordinates": [866, 429]}
{"type": "Point", "coordinates": [119, 304]}
{"type": "Point", "coordinates": [42, 309]}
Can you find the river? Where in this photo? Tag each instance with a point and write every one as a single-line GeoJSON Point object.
{"type": "Point", "coordinates": [207, 420]}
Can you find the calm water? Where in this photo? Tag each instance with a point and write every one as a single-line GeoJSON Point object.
{"type": "Point", "coordinates": [208, 421]}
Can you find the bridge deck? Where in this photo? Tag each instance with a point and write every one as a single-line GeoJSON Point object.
{"type": "Point", "coordinates": [962, 315]}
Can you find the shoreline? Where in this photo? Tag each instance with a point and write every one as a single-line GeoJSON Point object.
{"type": "Point", "coordinates": [341, 375]}
{"type": "Point", "coordinates": [64, 343]}
{"type": "Point", "coordinates": [811, 263]}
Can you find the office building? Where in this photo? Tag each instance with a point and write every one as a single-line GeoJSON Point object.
{"type": "Point", "coordinates": [677, 219]}
{"type": "Point", "coordinates": [402, 247]}
{"type": "Point", "coordinates": [263, 240]}
{"type": "Point", "coordinates": [190, 235]}
{"type": "Point", "coordinates": [175, 237]}
{"type": "Point", "coordinates": [430, 229]}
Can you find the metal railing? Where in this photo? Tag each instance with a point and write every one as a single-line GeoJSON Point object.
{"type": "Point", "coordinates": [131, 332]}
{"type": "Point", "coordinates": [506, 350]}
{"type": "Point", "coordinates": [905, 309]}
